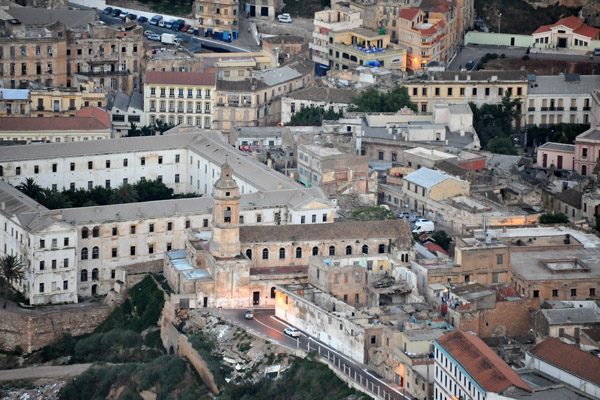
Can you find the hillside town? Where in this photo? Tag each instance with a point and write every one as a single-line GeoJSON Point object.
{"type": "Point", "coordinates": [345, 199]}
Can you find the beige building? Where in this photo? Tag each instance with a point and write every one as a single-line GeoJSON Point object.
{"type": "Point", "coordinates": [264, 9]}
{"type": "Point", "coordinates": [218, 18]}
{"type": "Point", "coordinates": [180, 97]}
{"type": "Point", "coordinates": [326, 21]}
{"type": "Point", "coordinates": [479, 87]}
{"type": "Point", "coordinates": [62, 102]}
{"type": "Point", "coordinates": [423, 37]}
{"type": "Point", "coordinates": [359, 46]}
{"type": "Point", "coordinates": [15, 102]}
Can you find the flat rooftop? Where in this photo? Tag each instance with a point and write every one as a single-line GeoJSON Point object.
{"type": "Point", "coordinates": [547, 264]}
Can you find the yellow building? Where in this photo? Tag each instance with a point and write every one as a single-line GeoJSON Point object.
{"type": "Point", "coordinates": [218, 18]}
{"type": "Point", "coordinates": [360, 46]}
{"type": "Point", "coordinates": [425, 186]}
{"type": "Point", "coordinates": [63, 102]}
{"type": "Point", "coordinates": [479, 87]}
{"type": "Point", "coordinates": [180, 97]}
{"type": "Point", "coordinates": [424, 38]}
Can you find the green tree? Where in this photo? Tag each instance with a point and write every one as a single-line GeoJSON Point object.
{"type": "Point", "coordinates": [11, 270]}
{"type": "Point", "coordinates": [143, 131]}
{"type": "Point", "coordinates": [502, 145]}
{"type": "Point", "coordinates": [53, 199]}
{"type": "Point", "coordinates": [371, 213]}
{"type": "Point", "coordinates": [161, 127]}
{"type": "Point", "coordinates": [495, 120]}
{"type": "Point", "coordinates": [554, 218]}
{"type": "Point", "coordinates": [31, 189]}
{"type": "Point", "coordinates": [442, 238]}
{"type": "Point", "coordinates": [152, 190]}
{"type": "Point", "coordinates": [314, 116]}
{"type": "Point", "coordinates": [559, 133]}
{"type": "Point", "coordinates": [372, 100]}
{"type": "Point", "coordinates": [124, 194]}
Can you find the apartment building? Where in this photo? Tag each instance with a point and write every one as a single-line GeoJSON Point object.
{"type": "Point", "coordinates": [112, 56]}
{"type": "Point", "coordinates": [563, 98]}
{"type": "Point", "coordinates": [63, 101]}
{"type": "Point", "coordinates": [335, 20]}
{"type": "Point", "coordinates": [14, 102]}
{"type": "Point", "coordinates": [479, 87]}
{"type": "Point", "coordinates": [264, 9]}
{"type": "Point", "coordinates": [180, 97]}
{"type": "Point", "coordinates": [126, 110]}
{"type": "Point", "coordinates": [361, 46]}
{"type": "Point", "coordinates": [257, 101]}
{"type": "Point", "coordinates": [424, 39]}
{"type": "Point", "coordinates": [466, 368]}
{"type": "Point", "coordinates": [218, 18]}
{"type": "Point", "coordinates": [587, 151]}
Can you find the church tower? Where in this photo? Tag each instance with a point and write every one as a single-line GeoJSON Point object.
{"type": "Point", "coordinates": [225, 242]}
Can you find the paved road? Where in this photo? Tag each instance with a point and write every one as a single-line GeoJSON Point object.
{"type": "Point", "coordinates": [43, 372]}
{"type": "Point", "coordinates": [266, 324]}
{"type": "Point", "coordinates": [474, 53]}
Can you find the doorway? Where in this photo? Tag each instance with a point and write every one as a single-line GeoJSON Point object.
{"type": "Point", "coordinates": [255, 298]}
{"type": "Point", "coordinates": [94, 290]}
{"type": "Point", "coordinates": [559, 162]}
{"type": "Point", "coordinates": [562, 42]}
{"type": "Point", "coordinates": [205, 302]}
{"type": "Point", "coordinates": [264, 11]}
{"type": "Point", "coordinates": [253, 11]}
{"type": "Point", "coordinates": [512, 41]}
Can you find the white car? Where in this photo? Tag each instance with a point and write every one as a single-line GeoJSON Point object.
{"type": "Point", "coordinates": [293, 332]}
{"type": "Point", "coordinates": [148, 33]}
{"type": "Point", "coordinates": [154, 37]}
{"type": "Point", "coordinates": [284, 18]}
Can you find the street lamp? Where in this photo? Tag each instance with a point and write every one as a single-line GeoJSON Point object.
{"type": "Point", "coordinates": [499, 21]}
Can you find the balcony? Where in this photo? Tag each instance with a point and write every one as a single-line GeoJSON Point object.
{"type": "Point", "coordinates": [152, 109]}
{"type": "Point", "coordinates": [40, 108]}
{"type": "Point", "coordinates": [560, 109]}
{"type": "Point", "coordinates": [586, 108]}
{"type": "Point", "coordinates": [545, 108]}
{"type": "Point", "coordinates": [162, 109]}
{"type": "Point", "coordinates": [531, 109]}
{"type": "Point", "coordinates": [573, 109]}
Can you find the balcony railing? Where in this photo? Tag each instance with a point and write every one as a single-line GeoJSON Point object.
{"type": "Point", "coordinates": [573, 109]}
{"type": "Point", "coordinates": [531, 109]}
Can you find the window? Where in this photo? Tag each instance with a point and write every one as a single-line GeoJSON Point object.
{"type": "Point", "coordinates": [65, 285]}
{"type": "Point", "coordinates": [90, 164]}
{"type": "Point", "coordinates": [41, 288]}
{"type": "Point", "coordinates": [314, 218]}
{"type": "Point", "coordinates": [374, 339]}
{"type": "Point", "coordinates": [205, 223]}
{"type": "Point", "coordinates": [348, 250]}
{"type": "Point", "coordinates": [536, 293]}
{"type": "Point", "coordinates": [143, 161]}
{"type": "Point", "coordinates": [150, 249]}
{"type": "Point", "coordinates": [302, 219]}
{"type": "Point", "coordinates": [151, 228]}
{"type": "Point", "coordinates": [592, 292]}
{"type": "Point", "coordinates": [273, 292]}
{"type": "Point", "coordinates": [332, 250]}
{"type": "Point", "coordinates": [281, 253]}
{"type": "Point", "coordinates": [95, 253]}
{"type": "Point", "coordinates": [132, 251]}
{"type": "Point", "coordinates": [114, 253]}
{"type": "Point", "coordinates": [554, 292]}
{"type": "Point", "coordinates": [499, 258]}
{"type": "Point", "coordinates": [298, 252]}
{"type": "Point", "coordinates": [95, 274]}
{"type": "Point", "coordinates": [160, 159]}
{"type": "Point", "coordinates": [66, 241]}
{"type": "Point", "coordinates": [315, 251]}
{"type": "Point", "coordinates": [324, 217]}
{"type": "Point", "coordinates": [265, 254]}
{"type": "Point", "coordinates": [573, 292]}
{"type": "Point", "coordinates": [381, 248]}
{"type": "Point", "coordinates": [84, 275]}
{"type": "Point", "coordinates": [258, 218]}
{"type": "Point", "coordinates": [42, 243]}
{"type": "Point", "coordinates": [84, 233]}
{"type": "Point", "coordinates": [176, 158]}
{"type": "Point", "coordinates": [176, 178]}
{"type": "Point", "coordinates": [84, 253]}
{"type": "Point", "coordinates": [132, 229]}
{"type": "Point", "coordinates": [42, 265]}
{"type": "Point", "coordinates": [96, 232]}
{"type": "Point", "coordinates": [365, 249]}
{"type": "Point", "coordinates": [169, 246]}
{"type": "Point", "coordinates": [125, 162]}
{"type": "Point", "coordinates": [18, 170]}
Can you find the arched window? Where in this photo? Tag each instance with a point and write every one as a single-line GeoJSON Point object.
{"type": "Point", "coordinates": [84, 233]}
{"type": "Point", "coordinates": [95, 252]}
{"type": "Point", "coordinates": [315, 251]}
{"type": "Point", "coordinates": [96, 231]}
{"type": "Point", "coordinates": [298, 252]}
{"type": "Point", "coordinates": [265, 254]}
{"type": "Point", "coordinates": [249, 254]}
{"type": "Point", "coordinates": [282, 253]}
{"type": "Point", "coordinates": [273, 292]}
{"type": "Point", "coordinates": [95, 274]}
{"type": "Point", "coordinates": [365, 249]}
{"type": "Point", "coordinates": [348, 250]}
{"type": "Point", "coordinates": [381, 248]}
{"type": "Point", "coordinates": [1, 170]}
{"type": "Point", "coordinates": [227, 217]}
{"type": "Point", "coordinates": [84, 275]}
{"type": "Point", "coordinates": [332, 250]}
{"type": "Point", "coordinates": [84, 253]}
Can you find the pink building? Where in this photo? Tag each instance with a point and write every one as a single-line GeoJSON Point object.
{"type": "Point", "coordinates": [587, 151]}
{"type": "Point", "coordinates": [561, 155]}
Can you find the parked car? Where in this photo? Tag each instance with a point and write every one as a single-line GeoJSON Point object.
{"type": "Point", "coordinates": [423, 226]}
{"type": "Point", "coordinates": [148, 33]}
{"type": "Point", "coordinates": [154, 37]}
{"type": "Point", "coordinates": [156, 19]}
{"type": "Point", "coordinates": [142, 19]}
{"type": "Point", "coordinates": [123, 15]}
{"type": "Point", "coordinates": [162, 23]}
{"type": "Point", "coordinates": [107, 10]}
{"type": "Point", "coordinates": [186, 28]}
{"type": "Point", "coordinates": [177, 25]}
{"type": "Point", "coordinates": [169, 24]}
{"type": "Point", "coordinates": [284, 18]}
{"type": "Point", "coordinates": [292, 332]}
{"type": "Point", "coordinates": [131, 17]}
{"type": "Point", "coordinates": [470, 65]}
{"type": "Point", "coordinates": [403, 214]}
{"type": "Point", "coordinates": [116, 12]}
{"type": "Point", "coordinates": [597, 52]}
{"type": "Point", "coordinates": [249, 314]}
{"type": "Point", "coordinates": [414, 217]}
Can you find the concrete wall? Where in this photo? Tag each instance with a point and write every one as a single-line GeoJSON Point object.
{"type": "Point", "coordinates": [186, 350]}
{"type": "Point", "coordinates": [32, 330]}
{"type": "Point", "coordinates": [502, 39]}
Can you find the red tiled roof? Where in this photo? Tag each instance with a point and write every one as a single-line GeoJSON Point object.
{"type": "Point", "coordinates": [573, 23]}
{"type": "Point", "coordinates": [87, 119]}
{"type": "Point", "coordinates": [434, 247]}
{"type": "Point", "coordinates": [481, 362]}
{"type": "Point", "coordinates": [409, 13]}
{"type": "Point", "coordinates": [569, 358]}
{"type": "Point", "coordinates": [429, 31]}
{"type": "Point", "coordinates": [208, 77]}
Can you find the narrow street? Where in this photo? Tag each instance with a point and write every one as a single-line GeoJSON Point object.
{"type": "Point", "coordinates": [266, 324]}
{"type": "Point", "coordinates": [57, 371]}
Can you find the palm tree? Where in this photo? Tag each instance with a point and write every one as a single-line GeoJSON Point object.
{"type": "Point", "coordinates": [31, 189]}
{"type": "Point", "coordinates": [54, 199]}
{"type": "Point", "coordinates": [11, 270]}
{"type": "Point", "coordinates": [125, 193]}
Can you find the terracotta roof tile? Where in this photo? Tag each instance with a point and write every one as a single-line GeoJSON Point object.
{"type": "Point", "coordinates": [326, 232]}
{"type": "Point", "coordinates": [490, 372]}
{"type": "Point", "coordinates": [208, 77]}
{"type": "Point", "coordinates": [409, 13]}
{"type": "Point", "coordinates": [573, 23]}
{"type": "Point", "coordinates": [87, 119]}
{"type": "Point", "coordinates": [569, 358]}
{"type": "Point", "coordinates": [434, 247]}
{"type": "Point", "coordinates": [587, 31]}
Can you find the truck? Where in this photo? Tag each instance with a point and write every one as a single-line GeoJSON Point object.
{"type": "Point", "coordinates": [169, 38]}
{"type": "Point", "coordinates": [156, 19]}
{"type": "Point", "coordinates": [423, 226]}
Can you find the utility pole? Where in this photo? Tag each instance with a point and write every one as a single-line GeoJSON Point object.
{"type": "Point", "coordinates": [499, 21]}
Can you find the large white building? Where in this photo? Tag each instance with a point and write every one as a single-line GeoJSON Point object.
{"type": "Point", "coordinates": [99, 240]}
{"type": "Point", "coordinates": [466, 368]}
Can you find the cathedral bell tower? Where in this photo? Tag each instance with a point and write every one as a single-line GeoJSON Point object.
{"type": "Point", "coordinates": [225, 242]}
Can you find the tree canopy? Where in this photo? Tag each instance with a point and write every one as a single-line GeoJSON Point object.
{"type": "Point", "coordinates": [372, 100]}
{"type": "Point", "coordinates": [559, 133]}
{"type": "Point", "coordinates": [371, 213]}
{"type": "Point", "coordinates": [502, 145]}
{"type": "Point", "coordinates": [553, 218]}
{"type": "Point", "coordinates": [314, 116]}
{"type": "Point", "coordinates": [495, 120]}
{"type": "Point", "coordinates": [442, 238]}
